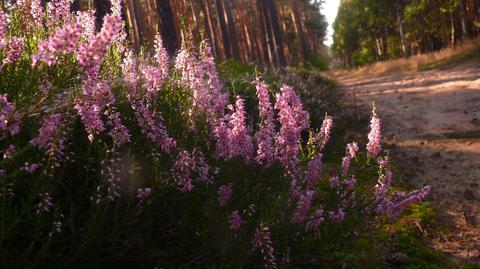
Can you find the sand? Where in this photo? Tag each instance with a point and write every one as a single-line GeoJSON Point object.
{"type": "Point", "coordinates": [431, 122]}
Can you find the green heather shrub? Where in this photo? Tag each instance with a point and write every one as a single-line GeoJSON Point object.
{"type": "Point", "coordinates": [116, 160]}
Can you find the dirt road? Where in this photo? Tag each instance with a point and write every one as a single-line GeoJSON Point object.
{"type": "Point", "coordinates": [431, 120]}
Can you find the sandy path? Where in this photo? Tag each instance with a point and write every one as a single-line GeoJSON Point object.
{"type": "Point", "coordinates": [432, 121]}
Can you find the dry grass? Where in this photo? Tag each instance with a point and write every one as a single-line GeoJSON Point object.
{"type": "Point", "coordinates": [463, 53]}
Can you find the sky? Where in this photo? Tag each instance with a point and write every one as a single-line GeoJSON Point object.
{"type": "Point", "coordinates": [329, 9]}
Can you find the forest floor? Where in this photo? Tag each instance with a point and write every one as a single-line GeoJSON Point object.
{"type": "Point", "coordinates": [431, 123]}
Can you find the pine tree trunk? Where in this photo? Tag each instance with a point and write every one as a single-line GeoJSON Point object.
{"type": "Point", "coordinates": [276, 32]}
{"type": "Point", "coordinates": [232, 31]}
{"type": "Point", "coordinates": [223, 28]}
{"type": "Point", "coordinates": [167, 26]}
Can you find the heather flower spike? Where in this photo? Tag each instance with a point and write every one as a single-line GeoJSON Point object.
{"type": "Point", "coordinates": [374, 146]}
{"type": "Point", "coordinates": [266, 128]}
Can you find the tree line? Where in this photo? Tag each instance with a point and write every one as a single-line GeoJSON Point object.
{"type": "Point", "coordinates": [267, 32]}
{"type": "Point", "coordinates": [374, 30]}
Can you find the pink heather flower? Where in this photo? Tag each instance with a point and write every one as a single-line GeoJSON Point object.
{"type": "Point", "coordinates": [202, 168]}
{"type": "Point", "coordinates": [183, 170]}
{"type": "Point", "coordinates": [153, 79]}
{"type": "Point", "coordinates": [414, 197]}
{"type": "Point", "coordinates": [57, 226]}
{"type": "Point", "coordinates": [293, 120]}
{"type": "Point", "coordinates": [303, 207]}
{"type": "Point", "coordinates": [324, 135]}
{"type": "Point", "coordinates": [235, 220]}
{"type": "Point", "coordinates": [220, 133]}
{"type": "Point", "coordinates": [266, 128]}
{"type": "Point", "coordinates": [90, 106]}
{"type": "Point", "coordinates": [351, 182]}
{"type": "Point", "coordinates": [345, 165]}
{"type": "Point", "coordinates": [334, 182]}
{"type": "Point", "coordinates": [116, 7]}
{"type": "Point", "coordinates": [37, 12]}
{"type": "Point", "coordinates": [111, 171]}
{"type": "Point", "coordinates": [87, 20]}
{"type": "Point", "coordinates": [375, 136]}
{"type": "Point", "coordinates": [47, 131]}
{"type": "Point", "coordinates": [129, 69]}
{"type": "Point", "coordinates": [262, 242]}
{"type": "Point", "coordinates": [208, 63]}
{"type": "Point", "coordinates": [58, 11]}
{"type": "Point", "coordinates": [30, 168]}
{"type": "Point", "coordinates": [352, 149]}
{"type": "Point", "coordinates": [9, 119]}
{"type": "Point", "coordinates": [91, 54]}
{"type": "Point", "coordinates": [152, 124]}
{"type": "Point", "coordinates": [336, 217]}
{"type": "Point", "coordinates": [118, 132]}
{"type": "Point", "coordinates": [161, 57]}
{"type": "Point", "coordinates": [314, 169]}
{"type": "Point", "coordinates": [185, 64]}
{"type": "Point", "coordinates": [3, 28]}
{"type": "Point", "coordinates": [186, 166]}
{"type": "Point", "coordinates": [240, 142]}
{"type": "Point", "coordinates": [315, 220]}
{"type": "Point", "coordinates": [9, 152]}
{"type": "Point", "coordinates": [63, 41]}
{"type": "Point", "coordinates": [199, 76]}
{"type": "Point", "coordinates": [45, 204]}
{"type": "Point", "coordinates": [13, 51]}
{"type": "Point", "coordinates": [144, 193]}
{"type": "Point", "coordinates": [383, 162]}
{"type": "Point", "coordinates": [224, 194]}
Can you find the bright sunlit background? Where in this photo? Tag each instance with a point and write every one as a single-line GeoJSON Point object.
{"type": "Point", "coordinates": [329, 9]}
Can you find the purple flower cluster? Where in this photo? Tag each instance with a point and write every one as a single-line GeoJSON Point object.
{"type": "Point", "coordinates": [153, 79]}
{"type": "Point", "coordinates": [262, 242]}
{"type": "Point", "coordinates": [189, 166]}
{"type": "Point", "coordinates": [91, 54]}
{"type": "Point", "coordinates": [3, 28]}
{"type": "Point", "coordinates": [224, 194]}
{"type": "Point", "coordinates": [45, 204]}
{"type": "Point", "coordinates": [303, 206]}
{"type": "Point", "coordinates": [293, 120]}
{"type": "Point", "coordinates": [87, 20]}
{"type": "Point", "coordinates": [30, 168]}
{"type": "Point", "coordinates": [47, 131]}
{"type": "Point", "coordinates": [314, 170]}
{"type": "Point", "coordinates": [374, 146]}
{"type": "Point", "coordinates": [240, 141]}
{"type": "Point", "coordinates": [9, 118]}
{"type": "Point", "coordinates": [143, 193]}
{"type": "Point", "coordinates": [130, 75]}
{"type": "Point", "coordinates": [152, 124]}
{"type": "Point", "coordinates": [199, 75]}
{"type": "Point", "coordinates": [161, 57]}
{"type": "Point", "coordinates": [352, 150]}
{"type": "Point", "coordinates": [14, 49]}
{"type": "Point", "coordinates": [336, 217]}
{"type": "Point", "coordinates": [118, 131]}
{"type": "Point", "coordinates": [9, 152]}
{"type": "Point", "coordinates": [235, 220]}
{"type": "Point", "coordinates": [323, 135]}
{"type": "Point", "coordinates": [266, 128]}
{"type": "Point", "coordinates": [64, 41]}
{"type": "Point", "coordinates": [111, 171]}
{"type": "Point", "coordinates": [91, 104]}
{"type": "Point", "coordinates": [37, 12]}
{"type": "Point", "coordinates": [58, 11]}
{"type": "Point", "coordinates": [315, 220]}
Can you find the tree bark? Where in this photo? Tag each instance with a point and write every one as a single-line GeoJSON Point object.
{"type": "Point", "coordinates": [167, 26]}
